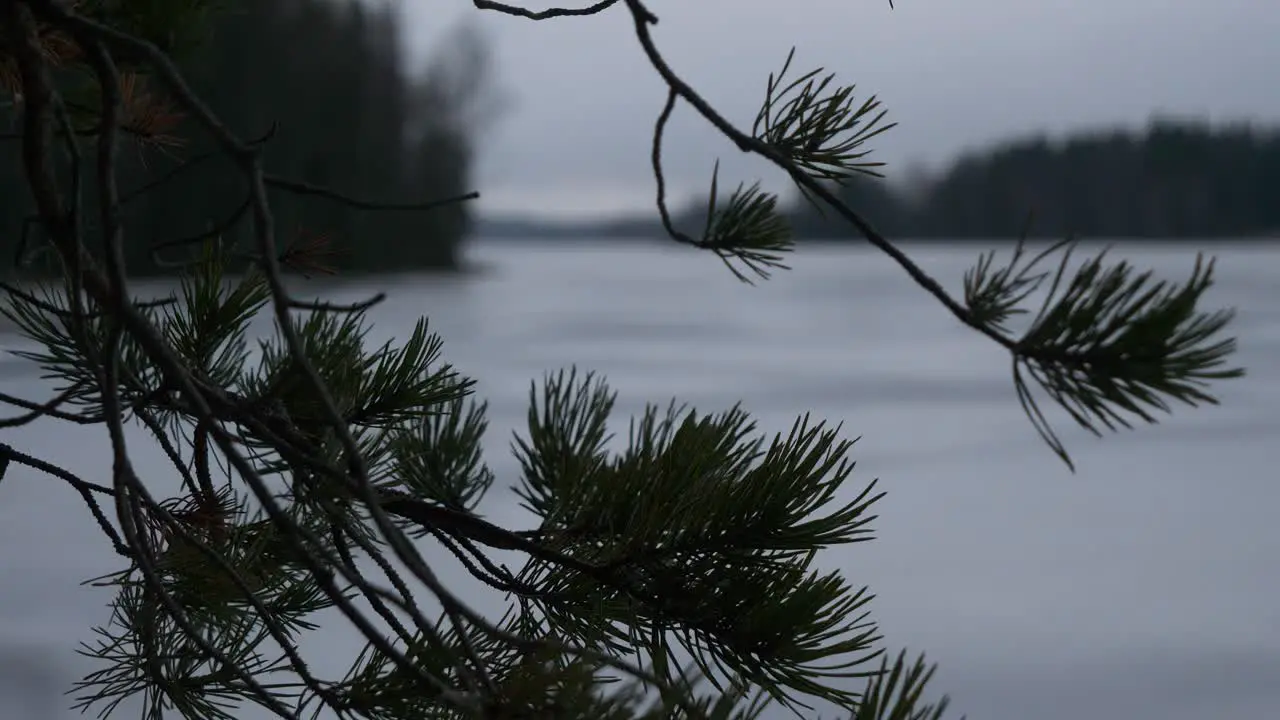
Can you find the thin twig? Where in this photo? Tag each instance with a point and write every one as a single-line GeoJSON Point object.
{"type": "Point", "coordinates": [547, 14]}
{"type": "Point", "coordinates": [302, 188]}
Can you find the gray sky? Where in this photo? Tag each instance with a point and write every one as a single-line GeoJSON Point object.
{"type": "Point", "coordinates": [953, 74]}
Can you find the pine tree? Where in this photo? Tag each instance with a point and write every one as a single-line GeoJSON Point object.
{"type": "Point", "coordinates": [673, 579]}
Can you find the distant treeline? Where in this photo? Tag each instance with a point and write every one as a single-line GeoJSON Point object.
{"type": "Point", "coordinates": [1175, 179]}
{"type": "Point", "coordinates": [349, 115]}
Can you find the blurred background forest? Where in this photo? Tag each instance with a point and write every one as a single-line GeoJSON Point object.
{"type": "Point", "coordinates": [349, 114]}
{"type": "Point", "coordinates": [1175, 179]}
{"type": "Point", "coordinates": [352, 114]}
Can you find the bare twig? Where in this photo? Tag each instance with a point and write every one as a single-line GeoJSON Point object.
{"type": "Point", "coordinates": [547, 14]}
{"type": "Point", "coordinates": [303, 188]}
{"type": "Point", "coordinates": [35, 410]}
{"type": "Point", "coordinates": [86, 489]}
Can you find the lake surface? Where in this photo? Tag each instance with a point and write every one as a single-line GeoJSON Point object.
{"type": "Point", "coordinates": [1144, 586]}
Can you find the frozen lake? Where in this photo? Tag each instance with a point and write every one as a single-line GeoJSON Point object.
{"type": "Point", "coordinates": [1144, 586]}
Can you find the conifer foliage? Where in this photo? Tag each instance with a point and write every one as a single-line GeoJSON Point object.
{"type": "Point", "coordinates": [674, 578]}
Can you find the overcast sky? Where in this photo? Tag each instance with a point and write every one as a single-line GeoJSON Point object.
{"type": "Point", "coordinates": [581, 98]}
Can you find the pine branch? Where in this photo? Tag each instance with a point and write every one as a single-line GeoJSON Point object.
{"type": "Point", "coordinates": [812, 135]}
{"type": "Point", "coordinates": [1109, 345]}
